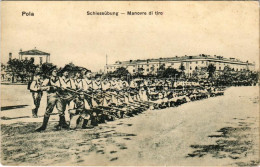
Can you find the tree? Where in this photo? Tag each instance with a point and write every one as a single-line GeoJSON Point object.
{"type": "Point", "coordinates": [121, 71]}
{"type": "Point", "coordinates": [202, 73]}
{"type": "Point", "coordinates": [140, 72]}
{"type": "Point", "coordinates": [225, 78]}
{"type": "Point", "coordinates": [211, 70]}
{"type": "Point", "coordinates": [170, 72]}
{"type": "Point", "coordinates": [182, 68]}
{"type": "Point", "coordinates": [118, 73]}
{"type": "Point", "coordinates": [152, 71]}
{"type": "Point", "coordinates": [194, 75]}
{"type": "Point", "coordinates": [21, 68]}
{"type": "Point", "coordinates": [162, 67]}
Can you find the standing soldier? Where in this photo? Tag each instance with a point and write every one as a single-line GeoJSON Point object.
{"type": "Point", "coordinates": [77, 81]}
{"type": "Point", "coordinates": [55, 91]}
{"type": "Point", "coordinates": [36, 90]}
{"type": "Point", "coordinates": [88, 87]}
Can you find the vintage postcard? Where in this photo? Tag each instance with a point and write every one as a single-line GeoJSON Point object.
{"type": "Point", "coordinates": [129, 83]}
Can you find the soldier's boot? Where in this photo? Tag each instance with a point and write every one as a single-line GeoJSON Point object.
{"type": "Point", "coordinates": [74, 121]}
{"type": "Point", "coordinates": [34, 113]}
{"type": "Point", "coordinates": [62, 124]}
{"type": "Point", "coordinates": [87, 124]}
{"type": "Point", "coordinates": [44, 124]}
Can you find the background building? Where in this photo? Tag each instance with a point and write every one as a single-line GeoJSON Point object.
{"type": "Point", "coordinates": [38, 56]}
{"type": "Point", "coordinates": [190, 63]}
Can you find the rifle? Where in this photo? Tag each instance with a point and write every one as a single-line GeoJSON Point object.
{"type": "Point", "coordinates": [107, 94]}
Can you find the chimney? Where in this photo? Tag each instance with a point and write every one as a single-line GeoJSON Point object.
{"type": "Point", "coordinates": [10, 56]}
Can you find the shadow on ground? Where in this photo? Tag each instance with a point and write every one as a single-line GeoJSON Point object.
{"type": "Point", "coordinates": [21, 145]}
{"type": "Point", "coordinates": [12, 107]}
{"type": "Point", "coordinates": [233, 142]}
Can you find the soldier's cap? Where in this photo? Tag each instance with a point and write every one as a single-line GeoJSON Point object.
{"type": "Point", "coordinates": [37, 73]}
{"type": "Point", "coordinates": [52, 68]}
{"type": "Point", "coordinates": [78, 71]}
{"type": "Point", "coordinates": [86, 72]}
{"type": "Point", "coordinates": [66, 68]}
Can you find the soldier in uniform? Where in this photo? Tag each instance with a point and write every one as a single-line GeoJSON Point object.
{"type": "Point", "coordinates": [36, 90]}
{"type": "Point", "coordinates": [56, 96]}
{"type": "Point", "coordinates": [88, 87]}
{"type": "Point", "coordinates": [77, 80]}
{"type": "Point", "coordinates": [80, 112]}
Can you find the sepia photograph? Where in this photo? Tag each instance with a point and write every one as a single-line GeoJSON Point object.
{"type": "Point", "coordinates": [129, 83]}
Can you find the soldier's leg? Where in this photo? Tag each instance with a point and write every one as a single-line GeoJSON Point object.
{"type": "Point", "coordinates": [51, 102]}
{"type": "Point", "coordinates": [94, 118]}
{"type": "Point", "coordinates": [89, 100]}
{"type": "Point", "coordinates": [38, 102]}
{"type": "Point", "coordinates": [87, 123]}
{"type": "Point", "coordinates": [74, 121]}
{"type": "Point", "coordinates": [61, 107]}
{"type": "Point", "coordinates": [34, 96]}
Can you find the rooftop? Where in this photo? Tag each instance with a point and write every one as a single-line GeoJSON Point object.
{"type": "Point", "coordinates": [183, 58]}
{"type": "Point", "coordinates": [33, 52]}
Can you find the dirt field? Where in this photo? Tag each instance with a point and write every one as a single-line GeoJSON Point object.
{"type": "Point", "coordinates": [217, 131]}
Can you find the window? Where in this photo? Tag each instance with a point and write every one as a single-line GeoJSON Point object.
{"type": "Point", "coordinates": [133, 70]}
{"type": "Point", "coordinates": [202, 62]}
{"type": "Point", "coordinates": [40, 60]}
{"type": "Point", "coordinates": [190, 68]}
{"type": "Point", "coordinates": [219, 68]}
{"type": "Point", "coordinates": [172, 63]}
{"type": "Point", "coordinates": [196, 62]}
{"type": "Point", "coordinates": [191, 62]}
{"type": "Point", "coordinates": [147, 69]}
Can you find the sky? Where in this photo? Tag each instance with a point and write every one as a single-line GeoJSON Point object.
{"type": "Point", "coordinates": [63, 29]}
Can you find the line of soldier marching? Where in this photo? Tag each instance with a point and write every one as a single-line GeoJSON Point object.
{"type": "Point", "coordinates": [90, 102]}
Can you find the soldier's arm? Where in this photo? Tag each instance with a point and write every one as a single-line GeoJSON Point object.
{"type": "Point", "coordinates": [71, 105]}
{"type": "Point", "coordinates": [45, 86]}
{"type": "Point", "coordinates": [34, 87]}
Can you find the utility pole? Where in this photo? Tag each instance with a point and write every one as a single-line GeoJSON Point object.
{"type": "Point", "coordinates": [106, 59]}
{"type": "Point", "coordinates": [106, 65]}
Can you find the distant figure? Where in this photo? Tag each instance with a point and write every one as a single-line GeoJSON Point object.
{"type": "Point", "coordinates": [35, 88]}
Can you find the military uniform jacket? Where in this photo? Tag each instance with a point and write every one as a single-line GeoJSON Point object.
{"type": "Point", "coordinates": [87, 84]}
{"type": "Point", "coordinates": [78, 83]}
{"type": "Point", "coordinates": [35, 86]}
{"type": "Point", "coordinates": [52, 81]}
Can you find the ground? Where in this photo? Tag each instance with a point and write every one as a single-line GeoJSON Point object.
{"type": "Point", "coordinates": [218, 131]}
